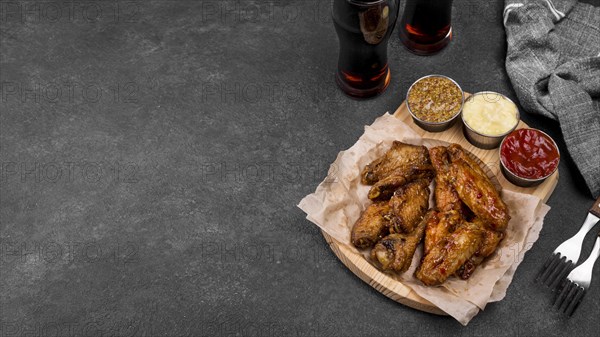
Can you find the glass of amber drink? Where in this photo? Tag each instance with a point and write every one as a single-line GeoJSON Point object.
{"type": "Point", "coordinates": [425, 27]}
{"type": "Point", "coordinates": [364, 28]}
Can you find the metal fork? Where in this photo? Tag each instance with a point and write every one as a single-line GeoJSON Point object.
{"type": "Point", "coordinates": [565, 257]}
{"type": "Point", "coordinates": [574, 287]}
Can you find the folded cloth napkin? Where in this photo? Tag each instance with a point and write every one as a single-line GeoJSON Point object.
{"type": "Point", "coordinates": [553, 61]}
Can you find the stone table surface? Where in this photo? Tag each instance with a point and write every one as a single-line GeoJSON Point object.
{"type": "Point", "coordinates": [153, 153]}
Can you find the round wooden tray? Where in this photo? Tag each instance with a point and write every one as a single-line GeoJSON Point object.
{"type": "Point", "coordinates": [489, 160]}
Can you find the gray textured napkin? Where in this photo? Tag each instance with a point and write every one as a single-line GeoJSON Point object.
{"type": "Point", "coordinates": [553, 61]}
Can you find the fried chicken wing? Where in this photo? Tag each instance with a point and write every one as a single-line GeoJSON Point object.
{"type": "Point", "coordinates": [409, 204]}
{"type": "Point", "coordinates": [462, 187]}
{"type": "Point", "coordinates": [466, 227]}
{"type": "Point", "coordinates": [439, 227]}
{"type": "Point", "coordinates": [456, 153]}
{"type": "Point", "coordinates": [385, 188]}
{"type": "Point", "coordinates": [445, 258]}
{"type": "Point", "coordinates": [399, 155]}
{"type": "Point", "coordinates": [395, 252]}
{"type": "Point", "coordinates": [490, 241]}
{"type": "Point", "coordinates": [371, 226]}
{"type": "Point", "coordinates": [446, 198]}
{"type": "Point", "coordinates": [479, 194]}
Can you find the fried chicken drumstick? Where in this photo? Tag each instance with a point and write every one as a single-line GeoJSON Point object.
{"type": "Point", "coordinates": [395, 251]}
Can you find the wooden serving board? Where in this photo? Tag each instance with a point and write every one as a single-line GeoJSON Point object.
{"type": "Point", "coordinates": [395, 289]}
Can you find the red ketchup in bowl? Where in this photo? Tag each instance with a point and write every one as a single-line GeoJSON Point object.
{"type": "Point", "coordinates": [529, 154]}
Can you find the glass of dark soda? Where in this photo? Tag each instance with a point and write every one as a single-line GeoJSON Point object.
{"type": "Point", "coordinates": [425, 27]}
{"type": "Point", "coordinates": [364, 29]}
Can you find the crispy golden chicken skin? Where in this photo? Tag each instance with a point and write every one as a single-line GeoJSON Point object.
{"type": "Point", "coordinates": [409, 204]}
{"type": "Point", "coordinates": [445, 258]}
{"type": "Point", "coordinates": [371, 226]}
{"type": "Point", "coordinates": [456, 153]}
{"type": "Point", "coordinates": [385, 188]}
{"type": "Point", "coordinates": [439, 227]}
{"type": "Point", "coordinates": [399, 155]}
{"type": "Point", "coordinates": [490, 241]}
{"type": "Point", "coordinates": [479, 194]}
{"type": "Point", "coordinates": [395, 251]}
{"type": "Point", "coordinates": [446, 198]}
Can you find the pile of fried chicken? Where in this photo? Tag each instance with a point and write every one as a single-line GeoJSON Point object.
{"type": "Point", "coordinates": [466, 226]}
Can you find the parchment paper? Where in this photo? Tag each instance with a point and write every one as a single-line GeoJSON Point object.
{"type": "Point", "coordinates": [340, 199]}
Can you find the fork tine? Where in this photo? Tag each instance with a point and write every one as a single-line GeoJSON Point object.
{"type": "Point", "coordinates": [558, 290]}
{"type": "Point", "coordinates": [570, 297]}
{"type": "Point", "coordinates": [554, 263]}
{"type": "Point", "coordinates": [546, 266]}
{"type": "Point", "coordinates": [560, 296]}
{"type": "Point", "coordinates": [562, 275]}
{"type": "Point", "coordinates": [575, 302]}
{"type": "Point", "coordinates": [558, 270]}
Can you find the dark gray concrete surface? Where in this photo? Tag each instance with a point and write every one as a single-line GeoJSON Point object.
{"type": "Point", "coordinates": [153, 153]}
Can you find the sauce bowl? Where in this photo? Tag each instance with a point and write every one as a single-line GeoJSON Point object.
{"type": "Point", "coordinates": [435, 126]}
{"type": "Point", "coordinates": [482, 140]}
{"type": "Point", "coordinates": [522, 181]}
